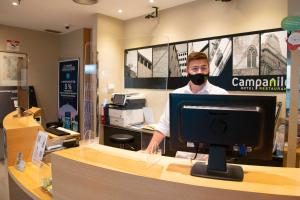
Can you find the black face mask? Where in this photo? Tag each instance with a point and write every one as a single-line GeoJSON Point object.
{"type": "Point", "coordinates": [198, 79]}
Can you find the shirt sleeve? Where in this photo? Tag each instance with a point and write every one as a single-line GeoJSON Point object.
{"type": "Point", "coordinates": [163, 125]}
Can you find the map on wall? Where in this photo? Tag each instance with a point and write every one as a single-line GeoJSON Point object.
{"type": "Point", "coordinates": [252, 61]}
{"type": "Point", "coordinates": [13, 68]}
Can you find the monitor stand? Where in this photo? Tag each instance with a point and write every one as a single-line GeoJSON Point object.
{"type": "Point", "coordinates": [217, 167]}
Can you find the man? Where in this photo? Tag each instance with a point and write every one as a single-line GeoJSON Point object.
{"type": "Point", "coordinates": [198, 72]}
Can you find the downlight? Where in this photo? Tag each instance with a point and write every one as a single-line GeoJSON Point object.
{"type": "Point", "coordinates": [86, 2]}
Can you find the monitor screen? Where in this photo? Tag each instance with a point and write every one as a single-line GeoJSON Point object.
{"type": "Point", "coordinates": [218, 124]}
{"type": "Point", "coordinates": [223, 122]}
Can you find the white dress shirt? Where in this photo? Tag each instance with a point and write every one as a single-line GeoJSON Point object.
{"type": "Point", "coordinates": [163, 125]}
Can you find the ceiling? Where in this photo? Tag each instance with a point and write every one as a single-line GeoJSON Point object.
{"type": "Point", "coordinates": [57, 14]}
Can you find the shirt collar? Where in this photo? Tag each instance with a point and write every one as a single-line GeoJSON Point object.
{"type": "Point", "coordinates": [204, 90]}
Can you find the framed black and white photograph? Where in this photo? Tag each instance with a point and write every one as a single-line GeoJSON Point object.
{"type": "Point", "coordinates": [273, 53]}
{"type": "Point", "coordinates": [131, 64]}
{"type": "Point", "coordinates": [144, 65]}
{"type": "Point", "coordinates": [177, 60]}
{"type": "Point", "coordinates": [245, 55]}
{"type": "Point", "coordinates": [219, 52]}
{"type": "Point", "coordinates": [13, 69]}
{"type": "Point", "coordinates": [198, 46]}
{"type": "Point", "coordinates": [251, 61]}
{"type": "Point", "coordinates": [160, 61]}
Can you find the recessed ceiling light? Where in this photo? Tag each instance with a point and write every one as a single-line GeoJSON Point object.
{"type": "Point", "coordinates": [16, 2]}
{"type": "Point", "coordinates": [120, 11]}
{"type": "Point", "coordinates": [151, 1]}
{"type": "Point", "coordinates": [86, 2]}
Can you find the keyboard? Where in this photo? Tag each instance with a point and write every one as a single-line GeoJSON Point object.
{"type": "Point", "coordinates": [57, 132]}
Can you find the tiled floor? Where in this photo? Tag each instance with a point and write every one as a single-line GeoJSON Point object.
{"type": "Point", "coordinates": [3, 182]}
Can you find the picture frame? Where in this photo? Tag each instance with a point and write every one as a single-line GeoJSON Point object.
{"type": "Point", "coordinates": [250, 61]}
{"type": "Point", "coordinates": [13, 69]}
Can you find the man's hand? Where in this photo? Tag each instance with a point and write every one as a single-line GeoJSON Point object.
{"type": "Point", "coordinates": [154, 143]}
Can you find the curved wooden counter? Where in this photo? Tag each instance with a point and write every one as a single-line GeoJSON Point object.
{"type": "Point", "coordinates": [28, 182]}
{"type": "Point", "coordinates": [20, 137]}
{"type": "Point", "coordinates": [101, 172]}
{"type": "Point", "coordinates": [21, 134]}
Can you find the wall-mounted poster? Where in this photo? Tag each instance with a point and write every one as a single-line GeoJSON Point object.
{"type": "Point", "coordinates": [160, 61]}
{"type": "Point", "coordinates": [147, 67]}
{"type": "Point", "coordinates": [68, 92]}
{"type": "Point", "coordinates": [219, 53]}
{"type": "Point", "coordinates": [144, 64]}
{"type": "Point", "coordinates": [252, 61]}
{"type": "Point", "coordinates": [177, 60]}
{"type": "Point", "coordinates": [198, 46]}
{"type": "Point", "coordinates": [13, 69]}
{"type": "Point", "coordinates": [246, 55]}
{"type": "Point", "coordinates": [273, 53]}
{"type": "Point", "coordinates": [131, 64]}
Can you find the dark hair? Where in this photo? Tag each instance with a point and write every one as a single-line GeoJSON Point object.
{"type": "Point", "coordinates": [196, 56]}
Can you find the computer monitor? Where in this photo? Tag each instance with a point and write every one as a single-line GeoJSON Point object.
{"type": "Point", "coordinates": [222, 122]}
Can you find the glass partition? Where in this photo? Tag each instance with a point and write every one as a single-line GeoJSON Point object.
{"type": "Point", "coordinates": [90, 94]}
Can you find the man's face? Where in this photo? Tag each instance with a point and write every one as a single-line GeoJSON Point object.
{"type": "Point", "coordinates": [198, 67]}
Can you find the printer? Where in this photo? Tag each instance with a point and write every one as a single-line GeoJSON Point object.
{"type": "Point", "coordinates": [126, 109]}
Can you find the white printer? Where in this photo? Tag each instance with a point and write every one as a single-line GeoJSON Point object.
{"type": "Point", "coordinates": [126, 109]}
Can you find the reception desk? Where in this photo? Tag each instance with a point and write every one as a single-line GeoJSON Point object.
{"type": "Point", "coordinates": [101, 172]}
{"type": "Point", "coordinates": [96, 171]}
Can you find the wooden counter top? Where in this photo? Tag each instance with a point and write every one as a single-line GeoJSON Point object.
{"type": "Point", "coordinates": [96, 172]}
{"type": "Point", "coordinates": [125, 168]}
{"type": "Point", "coordinates": [11, 122]}
{"type": "Point", "coordinates": [21, 134]}
{"type": "Point", "coordinates": [30, 180]}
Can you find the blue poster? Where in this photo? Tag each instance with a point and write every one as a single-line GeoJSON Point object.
{"type": "Point", "coordinates": [68, 85]}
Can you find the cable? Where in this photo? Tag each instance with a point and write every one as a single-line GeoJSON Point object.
{"type": "Point", "coordinates": [196, 145]}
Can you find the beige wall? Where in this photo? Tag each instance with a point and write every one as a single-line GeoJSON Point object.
{"type": "Point", "coordinates": [110, 54]}
{"type": "Point", "coordinates": [110, 57]}
{"type": "Point", "coordinates": [207, 18]}
{"type": "Point", "coordinates": [202, 19]}
{"type": "Point", "coordinates": [43, 50]}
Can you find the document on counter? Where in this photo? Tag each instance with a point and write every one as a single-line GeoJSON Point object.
{"type": "Point", "coordinates": [190, 155]}
{"type": "Point", "coordinates": [151, 127]}
{"type": "Point", "coordinates": [136, 126]}
{"type": "Point", "coordinates": [39, 148]}
{"type": "Point", "coordinates": [68, 131]}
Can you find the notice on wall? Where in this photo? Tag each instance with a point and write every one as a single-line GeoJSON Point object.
{"type": "Point", "coordinates": [68, 91]}
{"type": "Point", "coordinates": [12, 45]}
